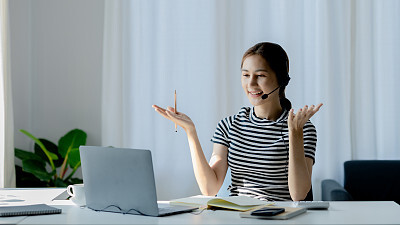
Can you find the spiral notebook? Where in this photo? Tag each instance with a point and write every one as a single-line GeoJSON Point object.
{"type": "Point", "coordinates": [28, 210]}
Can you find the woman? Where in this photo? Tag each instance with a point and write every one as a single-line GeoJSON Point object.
{"type": "Point", "coordinates": [269, 148]}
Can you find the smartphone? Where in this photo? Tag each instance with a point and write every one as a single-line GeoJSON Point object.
{"type": "Point", "coordinates": [267, 211]}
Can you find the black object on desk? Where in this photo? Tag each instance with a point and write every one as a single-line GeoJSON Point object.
{"type": "Point", "coordinates": [267, 211]}
{"type": "Point", "coordinates": [288, 213]}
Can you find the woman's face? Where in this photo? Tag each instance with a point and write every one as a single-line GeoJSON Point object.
{"type": "Point", "coordinates": [258, 79]}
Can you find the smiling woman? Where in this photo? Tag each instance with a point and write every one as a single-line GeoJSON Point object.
{"type": "Point", "coordinates": [269, 149]}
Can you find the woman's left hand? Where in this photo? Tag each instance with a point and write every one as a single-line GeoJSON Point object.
{"type": "Point", "coordinates": [297, 121]}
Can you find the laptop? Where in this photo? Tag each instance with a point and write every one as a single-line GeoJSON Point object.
{"type": "Point", "coordinates": [121, 180]}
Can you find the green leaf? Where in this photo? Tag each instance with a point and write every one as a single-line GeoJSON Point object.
{"type": "Point", "coordinates": [76, 181]}
{"type": "Point", "coordinates": [71, 140]}
{"type": "Point", "coordinates": [22, 154]}
{"type": "Point", "coordinates": [50, 156]}
{"type": "Point", "coordinates": [74, 158]}
{"type": "Point", "coordinates": [27, 180]}
{"type": "Point", "coordinates": [52, 148]}
{"type": "Point", "coordinates": [60, 183]}
{"type": "Point", "coordinates": [37, 168]}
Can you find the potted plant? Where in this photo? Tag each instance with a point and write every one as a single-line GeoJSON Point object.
{"type": "Point", "coordinates": [50, 165]}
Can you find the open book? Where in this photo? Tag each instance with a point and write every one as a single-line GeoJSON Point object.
{"type": "Point", "coordinates": [240, 203]}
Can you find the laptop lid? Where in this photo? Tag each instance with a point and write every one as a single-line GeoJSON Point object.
{"type": "Point", "coordinates": [119, 180]}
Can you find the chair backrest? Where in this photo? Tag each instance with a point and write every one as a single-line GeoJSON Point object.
{"type": "Point", "coordinates": [373, 180]}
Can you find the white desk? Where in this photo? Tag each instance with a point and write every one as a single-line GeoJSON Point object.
{"type": "Point", "coordinates": [338, 213]}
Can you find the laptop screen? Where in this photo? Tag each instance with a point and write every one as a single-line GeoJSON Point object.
{"type": "Point", "coordinates": [119, 180]}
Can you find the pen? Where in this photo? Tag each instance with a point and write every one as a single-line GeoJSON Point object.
{"type": "Point", "coordinates": [175, 110]}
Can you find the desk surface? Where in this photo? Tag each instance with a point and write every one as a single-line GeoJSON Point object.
{"type": "Point", "coordinates": [338, 213]}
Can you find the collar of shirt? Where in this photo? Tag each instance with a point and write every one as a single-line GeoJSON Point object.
{"type": "Point", "coordinates": [262, 121]}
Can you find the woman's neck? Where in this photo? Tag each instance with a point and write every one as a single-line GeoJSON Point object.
{"type": "Point", "coordinates": [268, 111]}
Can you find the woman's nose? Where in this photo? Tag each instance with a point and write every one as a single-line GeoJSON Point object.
{"type": "Point", "coordinates": [253, 81]}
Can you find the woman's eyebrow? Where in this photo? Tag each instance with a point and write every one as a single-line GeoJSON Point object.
{"type": "Point", "coordinates": [261, 70]}
{"type": "Point", "coordinates": [258, 70]}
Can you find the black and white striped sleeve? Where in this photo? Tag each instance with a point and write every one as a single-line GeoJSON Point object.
{"type": "Point", "coordinates": [221, 134]}
{"type": "Point", "coordinates": [310, 140]}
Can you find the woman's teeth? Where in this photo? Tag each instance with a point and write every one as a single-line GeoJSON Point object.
{"type": "Point", "coordinates": [256, 93]}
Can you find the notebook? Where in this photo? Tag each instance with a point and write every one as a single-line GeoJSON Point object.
{"type": "Point", "coordinates": [290, 212]}
{"type": "Point", "coordinates": [28, 210]}
{"type": "Point", "coordinates": [239, 203]}
{"type": "Point", "coordinates": [121, 180]}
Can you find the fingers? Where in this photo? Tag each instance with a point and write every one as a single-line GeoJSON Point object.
{"type": "Point", "coordinates": [162, 112]}
{"type": "Point", "coordinates": [318, 107]}
{"type": "Point", "coordinates": [170, 112]}
{"type": "Point", "coordinates": [314, 109]}
{"type": "Point", "coordinates": [167, 113]}
{"type": "Point", "coordinates": [291, 114]}
{"type": "Point", "coordinates": [301, 113]}
{"type": "Point", "coordinates": [158, 108]}
{"type": "Point", "coordinates": [306, 112]}
{"type": "Point", "coordinates": [169, 108]}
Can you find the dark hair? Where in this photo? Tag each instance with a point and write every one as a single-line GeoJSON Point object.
{"type": "Point", "coordinates": [278, 61]}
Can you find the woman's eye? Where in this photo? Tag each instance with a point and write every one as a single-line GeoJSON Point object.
{"type": "Point", "coordinates": [246, 75]}
{"type": "Point", "coordinates": [261, 75]}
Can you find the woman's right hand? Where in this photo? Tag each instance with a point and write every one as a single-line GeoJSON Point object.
{"type": "Point", "coordinates": [179, 118]}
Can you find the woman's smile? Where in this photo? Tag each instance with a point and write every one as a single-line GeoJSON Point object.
{"type": "Point", "coordinates": [255, 94]}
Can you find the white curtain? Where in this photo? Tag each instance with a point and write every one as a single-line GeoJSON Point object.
{"type": "Point", "coordinates": [342, 53]}
{"type": "Point", "coordinates": [7, 169]}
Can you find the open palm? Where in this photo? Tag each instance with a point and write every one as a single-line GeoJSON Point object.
{"type": "Point", "coordinates": [298, 120]}
{"type": "Point", "coordinates": [179, 118]}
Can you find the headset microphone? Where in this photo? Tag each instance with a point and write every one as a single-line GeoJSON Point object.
{"type": "Point", "coordinates": [265, 96]}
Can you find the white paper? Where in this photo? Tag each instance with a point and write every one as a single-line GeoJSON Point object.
{"type": "Point", "coordinates": [202, 200]}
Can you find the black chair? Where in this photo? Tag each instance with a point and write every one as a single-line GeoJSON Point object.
{"type": "Point", "coordinates": [365, 180]}
{"type": "Point", "coordinates": [309, 196]}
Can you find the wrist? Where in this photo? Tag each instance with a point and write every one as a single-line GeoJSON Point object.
{"type": "Point", "coordinates": [297, 133]}
{"type": "Point", "coordinates": [191, 130]}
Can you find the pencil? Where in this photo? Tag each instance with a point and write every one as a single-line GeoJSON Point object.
{"type": "Point", "coordinates": [176, 130]}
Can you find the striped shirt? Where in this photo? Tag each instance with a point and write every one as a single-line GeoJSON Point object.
{"type": "Point", "coordinates": [258, 153]}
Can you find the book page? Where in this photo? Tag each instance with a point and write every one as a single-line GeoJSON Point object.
{"type": "Point", "coordinates": [245, 201]}
{"type": "Point", "coordinates": [220, 203]}
{"type": "Point", "coordinates": [200, 200]}
{"type": "Point", "coordinates": [197, 200]}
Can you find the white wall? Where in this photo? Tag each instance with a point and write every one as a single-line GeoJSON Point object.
{"type": "Point", "coordinates": [56, 64]}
